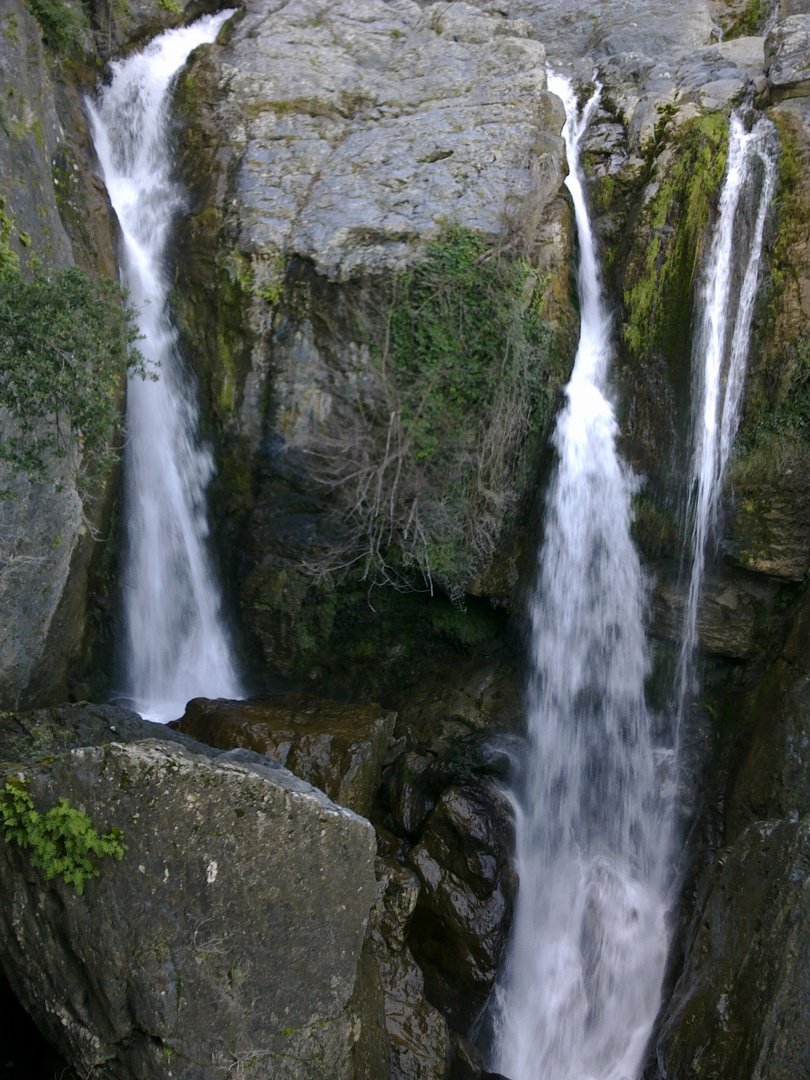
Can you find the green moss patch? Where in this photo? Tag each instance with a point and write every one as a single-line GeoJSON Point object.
{"type": "Point", "coordinates": [744, 19]}
{"type": "Point", "coordinates": [64, 24]}
{"type": "Point", "coordinates": [672, 230]}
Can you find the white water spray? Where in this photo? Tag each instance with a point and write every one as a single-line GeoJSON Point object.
{"type": "Point", "coordinates": [720, 354]}
{"type": "Point", "coordinates": [176, 645]}
{"type": "Point", "coordinates": [581, 984]}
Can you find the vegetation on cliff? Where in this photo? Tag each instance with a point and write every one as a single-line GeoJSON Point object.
{"type": "Point", "coordinates": [673, 227]}
{"type": "Point", "coordinates": [63, 24]}
{"type": "Point", "coordinates": [425, 473]}
{"type": "Point", "coordinates": [62, 842]}
{"type": "Point", "coordinates": [65, 345]}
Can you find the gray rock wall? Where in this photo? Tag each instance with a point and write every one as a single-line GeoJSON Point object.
{"type": "Point", "coordinates": [59, 215]}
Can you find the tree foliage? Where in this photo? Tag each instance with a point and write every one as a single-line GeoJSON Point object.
{"type": "Point", "coordinates": [61, 842]}
{"type": "Point", "coordinates": [65, 345]}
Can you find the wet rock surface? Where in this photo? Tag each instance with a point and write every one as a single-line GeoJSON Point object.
{"type": "Point", "coordinates": [740, 984]}
{"type": "Point", "coordinates": [227, 937]}
{"type": "Point", "coordinates": [733, 608]}
{"type": "Point", "coordinates": [337, 747]}
{"type": "Point", "coordinates": [463, 915]}
{"type": "Point", "coordinates": [417, 1031]}
{"type": "Point", "coordinates": [445, 816]}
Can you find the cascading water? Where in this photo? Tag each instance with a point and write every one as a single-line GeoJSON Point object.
{"type": "Point", "coordinates": [176, 644]}
{"type": "Point", "coordinates": [720, 354]}
{"type": "Point", "coordinates": [581, 984]}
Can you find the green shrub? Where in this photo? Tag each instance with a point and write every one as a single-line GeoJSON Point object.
{"type": "Point", "coordinates": [65, 346]}
{"type": "Point", "coordinates": [426, 473]}
{"type": "Point", "coordinates": [64, 25]}
{"type": "Point", "coordinates": [61, 842]}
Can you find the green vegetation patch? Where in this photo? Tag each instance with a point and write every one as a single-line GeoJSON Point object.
{"type": "Point", "coordinates": [660, 279]}
{"type": "Point", "coordinates": [426, 473]}
{"type": "Point", "coordinates": [65, 345]}
{"type": "Point", "coordinates": [64, 25]}
{"type": "Point", "coordinates": [62, 842]}
{"type": "Point", "coordinates": [745, 20]}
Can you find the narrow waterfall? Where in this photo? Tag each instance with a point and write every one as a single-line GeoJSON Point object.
{"type": "Point", "coordinates": [720, 354]}
{"type": "Point", "coordinates": [176, 645]}
{"type": "Point", "coordinates": [581, 983]}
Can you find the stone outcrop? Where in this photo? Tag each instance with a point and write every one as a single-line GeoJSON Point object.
{"type": "Point", "coordinates": [229, 935]}
{"type": "Point", "coordinates": [324, 156]}
{"type": "Point", "coordinates": [445, 817]}
{"type": "Point", "coordinates": [337, 747]}
{"type": "Point", "coordinates": [351, 134]}
{"type": "Point", "coordinates": [787, 50]}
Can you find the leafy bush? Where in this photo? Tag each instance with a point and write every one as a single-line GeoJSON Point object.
{"type": "Point", "coordinates": [64, 25]}
{"type": "Point", "coordinates": [61, 842]}
{"type": "Point", "coordinates": [424, 474]}
{"type": "Point", "coordinates": [65, 345]}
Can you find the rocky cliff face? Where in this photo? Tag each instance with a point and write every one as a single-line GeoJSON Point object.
{"type": "Point", "coordinates": [372, 183]}
{"type": "Point", "coordinates": [373, 188]}
{"type": "Point", "coordinates": [57, 213]}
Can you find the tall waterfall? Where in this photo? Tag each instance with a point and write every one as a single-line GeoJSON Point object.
{"type": "Point", "coordinates": [176, 646]}
{"type": "Point", "coordinates": [720, 354]}
{"type": "Point", "coordinates": [580, 987]}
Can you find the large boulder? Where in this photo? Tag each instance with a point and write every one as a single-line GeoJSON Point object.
{"type": "Point", "coordinates": [228, 937]}
{"type": "Point", "coordinates": [337, 747]}
{"type": "Point", "coordinates": [327, 155]}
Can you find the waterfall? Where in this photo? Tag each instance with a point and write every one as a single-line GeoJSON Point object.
{"type": "Point", "coordinates": [581, 983]}
{"type": "Point", "coordinates": [720, 354]}
{"type": "Point", "coordinates": [176, 645]}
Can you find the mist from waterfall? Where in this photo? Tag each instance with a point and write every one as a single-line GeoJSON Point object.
{"type": "Point", "coordinates": [176, 645]}
{"type": "Point", "coordinates": [720, 353]}
{"type": "Point", "coordinates": [581, 983]}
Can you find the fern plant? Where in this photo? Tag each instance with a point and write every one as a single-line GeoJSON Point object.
{"type": "Point", "coordinates": [61, 842]}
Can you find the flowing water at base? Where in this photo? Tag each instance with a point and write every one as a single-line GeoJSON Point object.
{"type": "Point", "coordinates": [581, 984]}
{"type": "Point", "coordinates": [176, 644]}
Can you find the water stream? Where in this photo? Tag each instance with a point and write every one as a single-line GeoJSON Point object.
{"type": "Point", "coordinates": [720, 353]}
{"type": "Point", "coordinates": [581, 983]}
{"type": "Point", "coordinates": [176, 645]}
